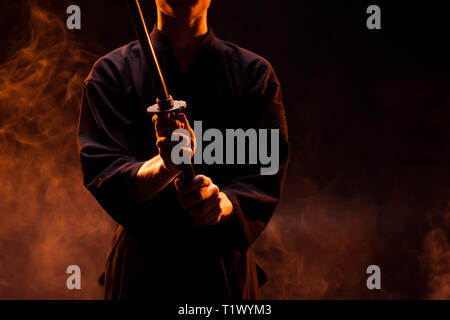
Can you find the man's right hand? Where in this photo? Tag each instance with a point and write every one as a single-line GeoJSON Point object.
{"type": "Point", "coordinates": [164, 127]}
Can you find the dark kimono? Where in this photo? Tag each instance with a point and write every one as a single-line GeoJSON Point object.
{"type": "Point", "coordinates": [156, 250]}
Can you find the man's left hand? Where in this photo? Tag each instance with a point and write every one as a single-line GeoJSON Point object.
{"type": "Point", "coordinates": [203, 200]}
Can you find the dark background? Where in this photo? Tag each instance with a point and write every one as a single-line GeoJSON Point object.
{"type": "Point", "coordinates": [368, 114]}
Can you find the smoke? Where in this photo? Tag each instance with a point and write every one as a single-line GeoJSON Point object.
{"type": "Point", "coordinates": [436, 254]}
{"type": "Point", "coordinates": [48, 221]}
{"type": "Point", "coordinates": [318, 246]}
{"type": "Point", "coordinates": [351, 202]}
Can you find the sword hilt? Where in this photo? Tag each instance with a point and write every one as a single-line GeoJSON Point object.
{"type": "Point", "coordinates": [178, 105]}
{"type": "Point", "coordinates": [187, 169]}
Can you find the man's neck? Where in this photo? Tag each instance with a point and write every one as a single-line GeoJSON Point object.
{"type": "Point", "coordinates": [183, 34]}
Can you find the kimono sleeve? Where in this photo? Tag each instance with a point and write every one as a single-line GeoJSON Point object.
{"type": "Point", "coordinates": [107, 147]}
{"type": "Point", "coordinates": [254, 195]}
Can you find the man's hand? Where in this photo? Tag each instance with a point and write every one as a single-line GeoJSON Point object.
{"type": "Point", "coordinates": [156, 173]}
{"type": "Point", "coordinates": [203, 200]}
{"type": "Point", "coordinates": [164, 127]}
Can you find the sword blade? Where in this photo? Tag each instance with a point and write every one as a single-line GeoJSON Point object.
{"type": "Point", "coordinates": [149, 53]}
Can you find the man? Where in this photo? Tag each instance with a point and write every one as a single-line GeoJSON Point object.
{"type": "Point", "coordinates": [178, 239]}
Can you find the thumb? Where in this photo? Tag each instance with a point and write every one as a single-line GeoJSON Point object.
{"type": "Point", "coordinates": [178, 183]}
{"type": "Point", "coordinates": [182, 117]}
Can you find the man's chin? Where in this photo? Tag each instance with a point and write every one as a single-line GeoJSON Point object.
{"type": "Point", "coordinates": [181, 4]}
{"type": "Point", "coordinates": [182, 13]}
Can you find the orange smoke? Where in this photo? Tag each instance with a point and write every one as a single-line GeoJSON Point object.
{"type": "Point", "coordinates": [323, 236]}
{"type": "Point", "coordinates": [48, 221]}
{"type": "Point", "coordinates": [318, 246]}
{"type": "Point", "coordinates": [436, 254]}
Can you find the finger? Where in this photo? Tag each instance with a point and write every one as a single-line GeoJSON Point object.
{"type": "Point", "coordinates": [183, 157]}
{"type": "Point", "coordinates": [161, 123]}
{"type": "Point", "coordinates": [211, 217]}
{"type": "Point", "coordinates": [204, 208]}
{"type": "Point", "coordinates": [184, 143]}
{"type": "Point", "coordinates": [197, 182]}
{"type": "Point", "coordinates": [164, 144]}
{"type": "Point", "coordinates": [178, 183]}
{"type": "Point", "coordinates": [160, 116]}
{"type": "Point", "coordinates": [182, 117]}
{"type": "Point", "coordinates": [165, 127]}
{"type": "Point", "coordinates": [179, 136]}
{"type": "Point", "coordinates": [210, 193]}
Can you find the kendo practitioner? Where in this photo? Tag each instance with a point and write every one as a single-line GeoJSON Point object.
{"type": "Point", "coordinates": [180, 239]}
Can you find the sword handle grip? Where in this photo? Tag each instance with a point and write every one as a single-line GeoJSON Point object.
{"type": "Point", "coordinates": [187, 169]}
